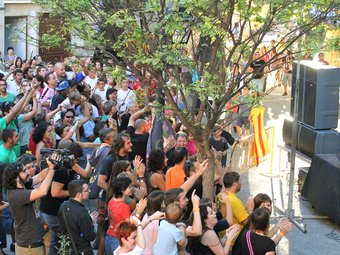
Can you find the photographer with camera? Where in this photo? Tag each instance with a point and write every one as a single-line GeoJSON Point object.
{"type": "Point", "coordinates": [29, 229]}
{"type": "Point", "coordinates": [66, 171]}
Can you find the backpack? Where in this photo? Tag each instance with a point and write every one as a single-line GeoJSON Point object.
{"type": "Point", "coordinates": [97, 156]}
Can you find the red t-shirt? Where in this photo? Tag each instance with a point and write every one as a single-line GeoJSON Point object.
{"type": "Point", "coordinates": [117, 211]}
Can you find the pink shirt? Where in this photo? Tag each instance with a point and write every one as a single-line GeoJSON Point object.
{"type": "Point", "coordinates": [148, 232]}
{"type": "Point", "coordinates": [46, 95]}
{"type": "Point", "coordinates": [191, 148]}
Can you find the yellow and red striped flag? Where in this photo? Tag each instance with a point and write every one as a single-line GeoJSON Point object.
{"type": "Point", "coordinates": [260, 145]}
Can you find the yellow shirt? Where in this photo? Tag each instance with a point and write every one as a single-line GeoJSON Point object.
{"type": "Point", "coordinates": [239, 210]}
{"type": "Point", "coordinates": [239, 213]}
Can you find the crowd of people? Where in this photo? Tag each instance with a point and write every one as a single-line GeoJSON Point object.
{"type": "Point", "coordinates": [74, 162]}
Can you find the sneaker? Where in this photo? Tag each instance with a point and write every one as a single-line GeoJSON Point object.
{"type": "Point", "coordinates": [284, 94]}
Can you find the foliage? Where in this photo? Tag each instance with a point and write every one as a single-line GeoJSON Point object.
{"type": "Point", "coordinates": [163, 36]}
{"type": "Point", "coordinates": [64, 245]}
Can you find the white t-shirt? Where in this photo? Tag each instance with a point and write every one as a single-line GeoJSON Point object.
{"type": "Point", "coordinates": [102, 94]}
{"type": "Point", "coordinates": [13, 88]}
{"type": "Point", "coordinates": [129, 97]}
{"type": "Point", "coordinates": [91, 82]}
{"type": "Point", "coordinates": [136, 251]}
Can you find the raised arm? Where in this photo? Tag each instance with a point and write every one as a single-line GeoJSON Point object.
{"type": "Point", "coordinates": [196, 228]}
{"type": "Point", "coordinates": [46, 183]}
{"type": "Point", "coordinates": [135, 116]}
{"type": "Point", "coordinates": [285, 226]}
{"type": "Point", "coordinates": [38, 178]}
{"type": "Point", "coordinates": [51, 114]}
{"type": "Point", "coordinates": [220, 246]}
{"type": "Point", "coordinates": [34, 111]}
{"type": "Point", "coordinates": [70, 133]}
{"type": "Point", "coordinates": [17, 108]}
{"type": "Point", "coordinates": [140, 236]}
{"type": "Point", "coordinates": [83, 172]}
{"type": "Point", "coordinates": [57, 190]}
{"type": "Point", "coordinates": [187, 185]}
{"type": "Point", "coordinates": [86, 112]}
{"type": "Point", "coordinates": [228, 213]}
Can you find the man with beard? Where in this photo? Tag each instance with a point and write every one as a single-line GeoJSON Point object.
{"type": "Point", "coordinates": [28, 226]}
{"type": "Point", "coordinates": [232, 184]}
{"type": "Point", "coordinates": [10, 138]}
{"type": "Point", "coordinates": [4, 95]}
{"type": "Point", "coordinates": [14, 86]}
{"type": "Point", "coordinates": [120, 149]}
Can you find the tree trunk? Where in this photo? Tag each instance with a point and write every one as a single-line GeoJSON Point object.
{"type": "Point", "coordinates": [209, 175]}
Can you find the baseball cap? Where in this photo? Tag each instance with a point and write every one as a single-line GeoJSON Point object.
{"type": "Point", "coordinates": [62, 85]}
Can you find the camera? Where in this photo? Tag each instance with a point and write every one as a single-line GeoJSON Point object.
{"type": "Point", "coordinates": [67, 159]}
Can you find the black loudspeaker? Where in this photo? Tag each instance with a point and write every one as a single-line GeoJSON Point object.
{"type": "Point", "coordinates": [311, 141]}
{"type": "Point", "coordinates": [318, 95]}
{"type": "Point", "coordinates": [322, 185]}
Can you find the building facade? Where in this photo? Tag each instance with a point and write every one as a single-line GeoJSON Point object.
{"type": "Point", "coordinates": [19, 27]}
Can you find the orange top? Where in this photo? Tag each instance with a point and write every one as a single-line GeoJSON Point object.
{"type": "Point", "coordinates": [174, 177]}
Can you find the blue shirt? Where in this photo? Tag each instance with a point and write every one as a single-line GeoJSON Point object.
{"type": "Point", "coordinates": [168, 237]}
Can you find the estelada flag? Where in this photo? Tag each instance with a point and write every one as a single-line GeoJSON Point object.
{"type": "Point", "coordinates": [260, 145]}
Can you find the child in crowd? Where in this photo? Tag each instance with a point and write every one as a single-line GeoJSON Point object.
{"type": "Point", "coordinates": [171, 236]}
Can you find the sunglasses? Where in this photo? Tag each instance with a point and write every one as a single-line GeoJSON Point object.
{"type": "Point", "coordinates": [69, 117]}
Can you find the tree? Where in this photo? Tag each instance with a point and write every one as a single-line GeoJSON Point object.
{"type": "Point", "coordinates": [162, 36]}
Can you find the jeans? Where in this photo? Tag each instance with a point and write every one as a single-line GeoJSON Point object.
{"type": "Point", "coordinates": [111, 244]}
{"type": "Point", "coordinates": [53, 224]}
{"type": "Point", "coordinates": [258, 84]}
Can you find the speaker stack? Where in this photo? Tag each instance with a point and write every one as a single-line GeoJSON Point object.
{"type": "Point", "coordinates": [318, 106]}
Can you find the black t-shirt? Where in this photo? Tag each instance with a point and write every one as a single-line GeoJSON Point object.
{"type": "Point", "coordinates": [139, 143]}
{"type": "Point", "coordinates": [50, 205]}
{"type": "Point", "coordinates": [261, 244]}
{"type": "Point", "coordinates": [226, 135]}
{"type": "Point", "coordinates": [106, 169]}
{"type": "Point", "coordinates": [124, 122]}
{"type": "Point", "coordinates": [220, 145]}
{"type": "Point", "coordinates": [258, 68]}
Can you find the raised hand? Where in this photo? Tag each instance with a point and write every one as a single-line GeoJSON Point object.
{"type": "Point", "coordinates": [285, 226]}
{"type": "Point", "coordinates": [141, 170]}
{"type": "Point", "coordinates": [224, 197]}
{"type": "Point", "coordinates": [134, 220]}
{"type": "Point", "coordinates": [141, 205]}
{"type": "Point", "coordinates": [140, 193]}
{"type": "Point", "coordinates": [35, 84]}
{"type": "Point", "coordinates": [203, 166]}
{"type": "Point", "coordinates": [231, 232]}
{"type": "Point", "coordinates": [158, 215]}
{"type": "Point", "coordinates": [195, 200]}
